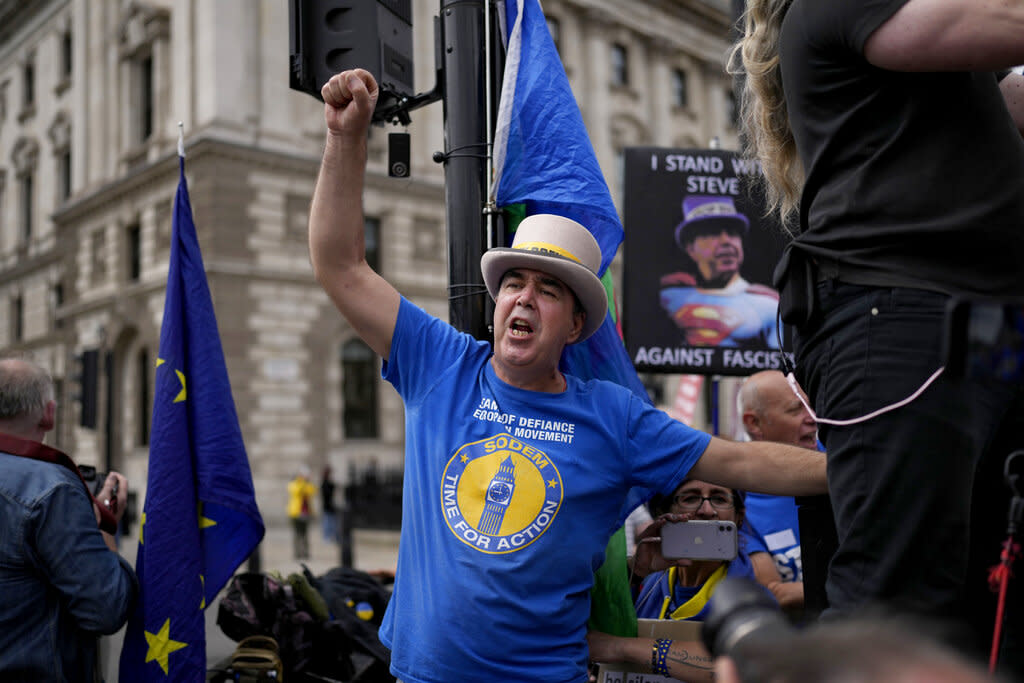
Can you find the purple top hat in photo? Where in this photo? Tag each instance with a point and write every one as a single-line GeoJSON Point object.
{"type": "Point", "coordinates": [711, 212]}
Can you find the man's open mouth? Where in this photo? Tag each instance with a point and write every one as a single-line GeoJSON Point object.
{"type": "Point", "coordinates": [519, 328]}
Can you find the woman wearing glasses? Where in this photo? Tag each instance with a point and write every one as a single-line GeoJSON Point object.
{"type": "Point", "coordinates": [676, 589]}
{"type": "Point", "coordinates": [683, 591]}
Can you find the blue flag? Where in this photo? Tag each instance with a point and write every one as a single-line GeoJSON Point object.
{"type": "Point", "coordinates": [545, 163]}
{"type": "Point", "coordinates": [200, 520]}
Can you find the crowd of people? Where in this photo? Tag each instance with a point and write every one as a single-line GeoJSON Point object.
{"type": "Point", "coordinates": [891, 134]}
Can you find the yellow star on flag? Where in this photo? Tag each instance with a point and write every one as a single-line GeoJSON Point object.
{"type": "Point", "coordinates": [161, 645]}
{"type": "Point", "coordinates": [204, 522]}
{"type": "Point", "coordinates": [181, 378]}
{"type": "Point", "coordinates": [142, 526]}
{"type": "Point", "coordinates": [181, 394]}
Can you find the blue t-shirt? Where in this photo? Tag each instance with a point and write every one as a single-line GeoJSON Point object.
{"type": "Point", "coordinates": [776, 525]}
{"type": "Point", "coordinates": [510, 497]}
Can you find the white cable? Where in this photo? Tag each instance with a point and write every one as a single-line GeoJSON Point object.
{"type": "Point", "coordinates": [795, 386]}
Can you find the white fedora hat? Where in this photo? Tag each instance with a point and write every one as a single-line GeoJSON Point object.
{"type": "Point", "coordinates": [557, 246]}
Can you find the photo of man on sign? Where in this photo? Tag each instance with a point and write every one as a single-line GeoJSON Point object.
{"type": "Point", "coordinates": [713, 305]}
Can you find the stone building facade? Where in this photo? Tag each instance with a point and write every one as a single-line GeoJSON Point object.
{"type": "Point", "coordinates": [91, 96]}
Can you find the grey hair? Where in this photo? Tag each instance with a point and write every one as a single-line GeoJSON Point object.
{"type": "Point", "coordinates": [25, 387]}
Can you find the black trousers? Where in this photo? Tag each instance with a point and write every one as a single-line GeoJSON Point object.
{"type": "Point", "coordinates": [918, 495]}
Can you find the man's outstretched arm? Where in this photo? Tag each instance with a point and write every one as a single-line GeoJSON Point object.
{"type": "Point", "coordinates": [336, 232]}
{"type": "Point", "coordinates": [763, 467]}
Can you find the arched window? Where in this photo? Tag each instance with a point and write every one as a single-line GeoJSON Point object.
{"type": "Point", "coordinates": [359, 372]}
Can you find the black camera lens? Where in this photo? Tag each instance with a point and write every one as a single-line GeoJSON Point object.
{"type": "Point", "coordinates": [743, 620]}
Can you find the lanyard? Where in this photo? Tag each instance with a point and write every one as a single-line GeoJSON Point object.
{"type": "Point", "coordinates": [39, 451]}
{"type": "Point", "coordinates": [694, 605]}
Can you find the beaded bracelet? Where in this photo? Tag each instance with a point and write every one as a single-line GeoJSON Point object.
{"type": "Point", "coordinates": [659, 651]}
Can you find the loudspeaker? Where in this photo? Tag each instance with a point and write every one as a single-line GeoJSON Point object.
{"type": "Point", "coordinates": [328, 36]}
{"type": "Point", "coordinates": [398, 155]}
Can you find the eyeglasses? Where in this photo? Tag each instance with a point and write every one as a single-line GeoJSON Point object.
{"type": "Point", "coordinates": [690, 502]}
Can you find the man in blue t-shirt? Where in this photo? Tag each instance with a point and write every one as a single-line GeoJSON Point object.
{"type": "Point", "coordinates": [516, 474]}
{"type": "Point", "coordinates": [770, 411]}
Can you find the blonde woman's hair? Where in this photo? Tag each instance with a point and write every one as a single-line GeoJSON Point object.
{"type": "Point", "coordinates": [764, 117]}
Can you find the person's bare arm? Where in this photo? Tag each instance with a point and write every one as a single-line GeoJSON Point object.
{"type": "Point", "coordinates": [789, 594]}
{"type": "Point", "coordinates": [686, 660]}
{"type": "Point", "coordinates": [762, 467]}
{"type": "Point", "coordinates": [1013, 92]}
{"type": "Point", "coordinates": [950, 35]}
{"type": "Point", "coordinates": [337, 248]}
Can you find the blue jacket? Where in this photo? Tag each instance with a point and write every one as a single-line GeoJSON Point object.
{"type": "Point", "coordinates": [60, 585]}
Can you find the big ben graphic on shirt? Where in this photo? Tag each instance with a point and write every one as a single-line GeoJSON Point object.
{"type": "Point", "coordinates": [500, 494]}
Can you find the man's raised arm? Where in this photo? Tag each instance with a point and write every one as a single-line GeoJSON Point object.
{"type": "Point", "coordinates": [336, 233]}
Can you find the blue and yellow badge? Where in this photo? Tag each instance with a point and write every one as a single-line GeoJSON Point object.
{"type": "Point", "coordinates": [500, 494]}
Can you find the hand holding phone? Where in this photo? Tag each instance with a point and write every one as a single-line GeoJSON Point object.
{"type": "Point", "coordinates": [111, 502]}
{"type": "Point", "coordinates": [699, 540]}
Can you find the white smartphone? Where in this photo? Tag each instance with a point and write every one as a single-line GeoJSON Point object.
{"type": "Point", "coordinates": [699, 539]}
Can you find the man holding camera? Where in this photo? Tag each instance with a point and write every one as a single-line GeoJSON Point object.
{"type": "Point", "coordinates": [64, 584]}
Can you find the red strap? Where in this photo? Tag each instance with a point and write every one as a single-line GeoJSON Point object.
{"type": "Point", "coordinates": [40, 451]}
{"type": "Point", "coordinates": [998, 579]}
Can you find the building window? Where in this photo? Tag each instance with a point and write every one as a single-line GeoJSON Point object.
{"type": "Point", "coordinates": [142, 370]}
{"type": "Point", "coordinates": [98, 256]}
{"type": "Point", "coordinates": [28, 85]}
{"type": "Point", "coordinates": [66, 56]}
{"type": "Point", "coordinates": [144, 34]}
{"type": "Point", "coordinates": [26, 160]}
{"type": "Point", "coordinates": [17, 319]}
{"type": "Point", "coordinates": [56, 301]}
{"type": "Point", "coordinates": [555, 29]}
{"type": "Point", "coordinates": [60, 138]}
{"type": "Point", "coordinates": [372, 241]}
{"type": "Point", "coordinates": [620, 65]}
{"type": "Point", "coordinates": [134, 244]}
{"type": "Point", "coordinates": [359, 371]}
{"type": "Point", "coordinates": [680, 95]}
{"type": "Point", "coordinates": [27, 183]}
{"type": "Point", "coordinates": [144, 96]}
{"type": "Point", "coordinates": [64, 175]}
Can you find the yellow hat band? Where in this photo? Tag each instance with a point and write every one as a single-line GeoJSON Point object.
{"type": "Point", "coordinates": [546, 247]}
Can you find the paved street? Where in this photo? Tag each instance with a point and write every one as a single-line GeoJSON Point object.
{"type": "Point", "coordinates": [371, 550]}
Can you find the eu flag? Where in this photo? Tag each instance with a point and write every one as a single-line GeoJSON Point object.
{"type": "Point", "coordinates": [545, 163]}
{"type": "Point", "coordinates": [200, 520]}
